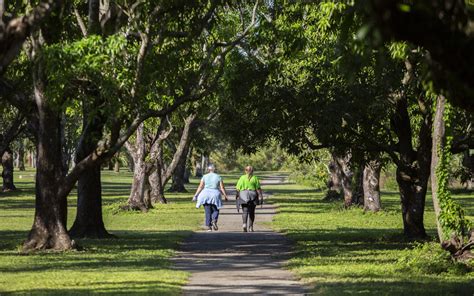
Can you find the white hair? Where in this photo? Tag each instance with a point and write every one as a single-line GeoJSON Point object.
{"type": "Point", "coordinates": [211, 167]}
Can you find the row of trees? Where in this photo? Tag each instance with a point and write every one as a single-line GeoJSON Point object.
{"type": "Point", "coordinates": [337, 76]}
{"type": "Point", "coordinates": [125, 70]}
{"type": "Point", "coordinates": [148, 75]}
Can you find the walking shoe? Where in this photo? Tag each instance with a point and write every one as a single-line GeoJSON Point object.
{"type": "Point", "coordinates": [251, 228]}
{"type": "Point", "coordinates": [244, 227]}
{"type": "Point", "coordinates": [214, 225]}
{"type": "Point", "coordinates": [209, 229]}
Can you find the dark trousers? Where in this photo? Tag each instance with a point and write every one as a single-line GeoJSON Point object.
{"type": "Point", "coordinates": [248, 213]}
{"type": "Point", "coordinates": [212, 213]}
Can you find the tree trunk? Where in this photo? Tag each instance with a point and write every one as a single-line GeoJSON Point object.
{"type": "Point", "coordinates": [358, 194]}
{"type": "Point", "coordinates": [66, 156]}
{"type": "Point", "coordinates": [137, 200]}
{"type": "Point", "coordinates": [439, 141]}
{"type": "Point", "coordinates": [413, 166]}
{"type": "Point", "coordinates": [198, 171]}
{"type": "Point", "coordinates": [412, 194]}
{"type": "Point", "coordinates": [204, 163]}
{"type": "Point", "coordinates": [346, 178]}
{"type": "Point", "coordinates": [468, 164]}
{"type": "Point", "coordinates": [49, 226]}
{"type": "Point", "coordinates": [371, 179]}
{"type": "Point", "coordinates": [130, 161]}
{"type": "Point", "coordinates": [157, 187]}
{"type": "Point", "coordinates": [178, 178]}
{"type": "Point", "coordinates": [451, 239]}
{"type": "Point", "coordinates": [335, 182]}
{"type": "Point", "coordinates": [7, 173]}
{"type": "Point", "coordinates": [117, 165]}
{"type": "Point", "coordinates": [188, 165]}
{"type": "Point", "coordinates": [89, 221]}
{"type": "Point", "coordinates": [94, 17]}
{"type": "Point", "coordinates": [159, 179]}
{"type": "Point", "coordinates": [21, 156]}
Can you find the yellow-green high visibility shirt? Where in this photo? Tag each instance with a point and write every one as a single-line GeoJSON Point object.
{"type": "Point", "coordinates": [245, 183]}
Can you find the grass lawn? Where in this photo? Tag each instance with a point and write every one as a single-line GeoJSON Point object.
{"type": "Point", "coordinates": [135, 262]}
{"type": "Point", "coordinates": [346, 252]}
{"type": "Point", "coordinates": [338, 251]}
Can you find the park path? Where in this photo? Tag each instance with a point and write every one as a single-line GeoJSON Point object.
{"type": "Point", "coordinates": [231, 262]}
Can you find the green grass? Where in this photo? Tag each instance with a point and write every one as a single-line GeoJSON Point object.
{"type": "Point", "coordinates": [345, 252]}
{"type": "Point", "coordinates": [338, 251]}
{"type": "Point", "coordinates": [138, 261]}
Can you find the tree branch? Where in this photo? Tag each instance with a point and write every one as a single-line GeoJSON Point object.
{"type": "Point", "coordinates": [15, 32]}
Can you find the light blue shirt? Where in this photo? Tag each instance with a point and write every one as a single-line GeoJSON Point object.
{"type": "Point", "coordinates": [211, 181]}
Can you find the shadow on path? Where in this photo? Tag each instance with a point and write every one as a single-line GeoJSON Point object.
{"type": "Point", "coordinates": [231, 262]}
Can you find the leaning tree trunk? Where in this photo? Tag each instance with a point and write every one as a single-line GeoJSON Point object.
{"type": "Point", "coordinates": [89, 221]}
{"type": "Point", "coordinates": [21, 156]}
{"type": "Point", "coordinates": [179, 175]}
{"type": "Point", "coordinates": [371, 180]}
{"type": "Point", "coordinates": [49, 226]}
{"type": "Point", "coordinates": [7, 173]}
{"type": "Point", "coordinates": [163, 174]}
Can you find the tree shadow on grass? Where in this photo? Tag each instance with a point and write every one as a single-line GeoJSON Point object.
{"type": "Point", "coordinates": [367, 248]}
{"type": "Point", "coordinates": [132, 250]}
{"type": "Point", "coordinates": [155, 287]}
{"type": "Point", "coordinates": [12, 204]}
{"type": "Point", "coordinates": [388, 285]}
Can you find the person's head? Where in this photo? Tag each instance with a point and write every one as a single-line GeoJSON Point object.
{"type": "Point", "coordinates": [211, 168]}
{"type": "Point", "coordinates": [249, 170]}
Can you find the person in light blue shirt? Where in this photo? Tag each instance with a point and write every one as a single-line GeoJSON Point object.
{"type": "Point", "coordinates": [208, 194]}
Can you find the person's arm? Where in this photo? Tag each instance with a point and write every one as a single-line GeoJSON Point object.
{"type": "Point", "coordinates": [260, 194]}
{"type": "Point", "coordinates": [199, 189]}
{"type": "Point", "coordinates": [223, 190]}
{"type": "Point", "coordinates": [259, 190]}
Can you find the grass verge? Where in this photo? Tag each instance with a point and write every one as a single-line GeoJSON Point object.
{"type": "Point", "coordinates": [135, 263]}
{"type": "Point", "coordinates": [347, 251]}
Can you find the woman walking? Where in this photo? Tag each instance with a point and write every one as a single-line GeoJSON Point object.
{"type": "Point", "coordinates": [208, 194]}
{"type": "Point", "coordinates": [248, 193]}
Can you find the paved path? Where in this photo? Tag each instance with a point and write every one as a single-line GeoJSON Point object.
{"type": "Point", "coordinates": [231, 262]}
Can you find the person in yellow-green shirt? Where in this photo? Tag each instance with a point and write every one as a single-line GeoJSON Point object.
{"type": "Point", "coordinates": [249, 194]}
